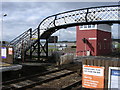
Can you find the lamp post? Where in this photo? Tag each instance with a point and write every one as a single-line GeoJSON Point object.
{"type": "Point", "coordinates": [3, 15]}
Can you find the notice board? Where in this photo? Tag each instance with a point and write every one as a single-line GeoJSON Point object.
{"type": "Point", "coordinates": [93, 77]}
{"type": "Point", "coordinates": [10, 51]}
{"type": "Point", "coordinates": [3, 52]}
{"type": "Point", "coordinates": [114, 78]}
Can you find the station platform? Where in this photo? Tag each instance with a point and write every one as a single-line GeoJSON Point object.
{"type": "Point", "coordinates": [9, 67]}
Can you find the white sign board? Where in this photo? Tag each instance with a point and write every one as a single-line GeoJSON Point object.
{"type": "Point", "coordinates": [10, 51]}
{"type": "Point", "coordinates": [114, 78]}
{"type": "Point", "coordinates": [92, 38]}
{"type": "Point", "coordinates": [3, 52]}
{"type": "Point", "coordinates": [93, 77]}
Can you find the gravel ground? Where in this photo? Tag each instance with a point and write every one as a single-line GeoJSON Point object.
{"type": "Point", "coordinates": [61, 82]}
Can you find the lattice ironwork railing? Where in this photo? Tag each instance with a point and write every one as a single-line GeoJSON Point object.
{"type": "Point", "coordinates": [94, 15]}
{"type": "Point", "coordinates": [82, 16]}
{"type": "Point", "coordinates": [23, 41]}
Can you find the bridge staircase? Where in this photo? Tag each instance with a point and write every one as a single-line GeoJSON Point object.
{"type": "Point", "coordinates": [30, 41]}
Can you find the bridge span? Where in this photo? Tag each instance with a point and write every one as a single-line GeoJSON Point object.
{"type": "Point", "coordinates": [28, 42]}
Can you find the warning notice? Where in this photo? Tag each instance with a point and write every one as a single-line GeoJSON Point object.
{"type": "Point", "coordinates": [10, 51]}
{"type": "Point", "coordinates": [93, 77]}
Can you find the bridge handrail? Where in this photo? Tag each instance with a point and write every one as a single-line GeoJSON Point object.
{"type": "Point", "coordinates": [64, 20]}
{"type": "Point", "coordinates": [54, 18]}
{"type": "Point", "coordinates": [21, 35]}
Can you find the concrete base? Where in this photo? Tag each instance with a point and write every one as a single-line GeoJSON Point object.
{"type": "Point", "coordinates": [9, 67]}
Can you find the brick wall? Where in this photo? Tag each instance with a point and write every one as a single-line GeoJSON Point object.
{"type": "Point", "coordinates": [99, 42]}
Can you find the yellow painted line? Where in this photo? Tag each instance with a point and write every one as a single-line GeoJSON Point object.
{"type": "Point", "coordinates": [5, 64]}
{"type": "Point", "coordinates": [34, 38]}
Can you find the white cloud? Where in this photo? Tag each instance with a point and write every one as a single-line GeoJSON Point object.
{"type": "Point", "coordinates": [115, 31]}
{"type": "Point", "coordinates": [61, 1]}
{"type": "Point", "coordinates": [25, 15]}
{"type": "Point", "coordinates": [66, 34]}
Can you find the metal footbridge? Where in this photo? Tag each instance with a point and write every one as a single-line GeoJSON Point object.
{"type": "Point", "coordinates": [30, 41]}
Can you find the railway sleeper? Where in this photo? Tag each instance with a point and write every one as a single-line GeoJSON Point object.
{"type": "Point", "coordinates": [37, 80]}
{"type": "Point", "coordinates": [63, 83]}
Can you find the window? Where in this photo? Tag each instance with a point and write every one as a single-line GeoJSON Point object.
{"type": "Point", "coordinates": [85, 26]}
{"type": "Point", "coordinates": [89, 26]}
{"type": "Point", "coordinates": [81, 26]}
{"type": "Point", "coordinates": [93, 26]}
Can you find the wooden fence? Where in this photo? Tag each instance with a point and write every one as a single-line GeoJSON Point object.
{"type": "Point", "coordinates": [105, 62]}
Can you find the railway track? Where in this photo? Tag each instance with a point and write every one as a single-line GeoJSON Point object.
{"type": "Point", "coordinates": [63, 83]}
{"type": "Point", "coordinates": [40, 79]}
{"type": "Point", "coordinates": [31, 82]}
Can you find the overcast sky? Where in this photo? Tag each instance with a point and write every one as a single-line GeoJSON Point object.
{"type": "Point", "coordinates": [24, 15]}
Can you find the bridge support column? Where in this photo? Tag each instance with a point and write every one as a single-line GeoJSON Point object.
{"type": "Point", "coordinates": [22, 52]}
{"type": "Point", "coordinates": [46, 47]}
{"type": "Point", "coordinates": [30, 43]}
{"type": "Point", "coordinates": [38, 44]}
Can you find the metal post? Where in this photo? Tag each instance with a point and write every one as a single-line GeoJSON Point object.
{"type": "Point", "coordinates": [85, 50]}
{"type": "Point", "coordinates": [86, 15]}
{"type": "Point", "coordinates": [2, 31]}
{"type": "Point", "coordinates": [30, 43]}
{"type": "Point", "coordinates": [54, 42]}
{"type": "Point", "coordinates": [46, 47]}
{"type": "Point", "coordinates": [3, 15]}
{"type": "Point", "coordinates": [23, 55]}
{"type": "Point", "coordinates": [38, 44]}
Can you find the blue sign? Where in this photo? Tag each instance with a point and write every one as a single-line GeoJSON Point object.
{"type": "Point", "coordinates": [114, 77]}
{"type": "Point", "coordinates": [115, 72]}
{"type": "Point", "coordinates": [3, 52]}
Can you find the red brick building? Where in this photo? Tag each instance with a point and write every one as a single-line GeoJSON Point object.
{"type": "Point", "coordinates": [93, 40]}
